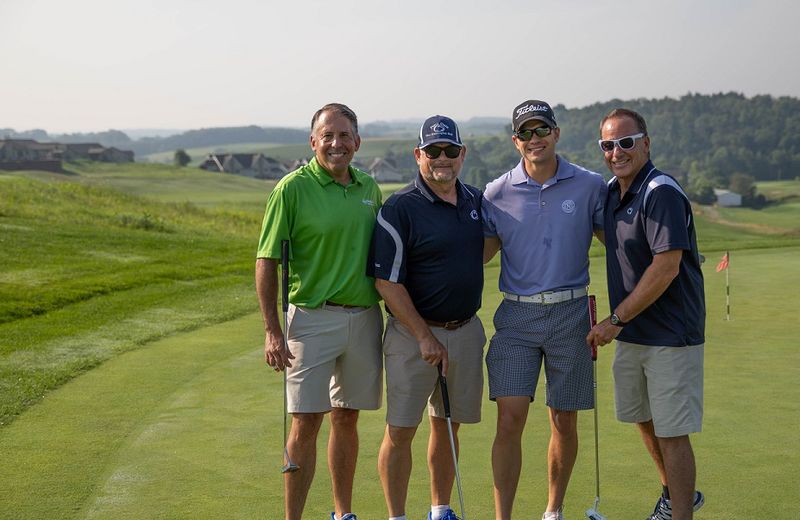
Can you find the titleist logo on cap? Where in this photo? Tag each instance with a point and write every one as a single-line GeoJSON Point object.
{"type": "Point", "coordinates": [531, 108]}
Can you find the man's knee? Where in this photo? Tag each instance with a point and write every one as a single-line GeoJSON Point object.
{"type": "Point", "coordinates": [399, 436]}
{"type": "Point", "coordinates": [511, 416]}
{"type": "Point", "coordinates": [564, 422]}
{"type": "Point", "coordinates": [344, 418]}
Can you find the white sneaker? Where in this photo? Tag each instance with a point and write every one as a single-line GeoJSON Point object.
{"type": "Point", "coordinates": [553, 515]}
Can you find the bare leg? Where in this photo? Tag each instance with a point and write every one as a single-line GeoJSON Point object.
{"type": "Point", "coordinates": [440, 461]}
{"type": "Point", "coordinates": [342, 457]}
{"type": "Point", "coordinates": [679, 463]}
{"type": "Point", "coordinates": [512, 413]}
{"type": "Point", "coordinates": [302, 447]}
{"type": "Point", "coordinates": [561, 455]}
{"type": "Point", "coordinates": [651, 443]}
{"type": "Point", "coordinates": [394, 467]}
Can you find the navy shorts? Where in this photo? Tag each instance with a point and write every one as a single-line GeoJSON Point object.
{"type": "Point", "coordinates": [528, 334]}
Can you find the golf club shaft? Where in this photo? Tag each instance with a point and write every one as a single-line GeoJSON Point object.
{"type": "Point", "coordinates": [446, 403]}
{"type": "Point", "coordinates": [288, 464]}
{"type": "Point", "coordinates": [593, 322]}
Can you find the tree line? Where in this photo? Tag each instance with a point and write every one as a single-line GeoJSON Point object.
{"type": "Point", "coordinates": [706, 141]}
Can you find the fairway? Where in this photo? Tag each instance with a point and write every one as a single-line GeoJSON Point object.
{"type": "Point", "coordinates": [144, 394]}
{"type": "Point", "coordinates": [190, 427]}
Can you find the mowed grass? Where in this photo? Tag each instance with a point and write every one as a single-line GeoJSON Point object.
{"type": "Point", "coordinates": [179, 418]}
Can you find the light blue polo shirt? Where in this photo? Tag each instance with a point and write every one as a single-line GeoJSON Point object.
{"type": "Point", "coordinates": [545, 230]}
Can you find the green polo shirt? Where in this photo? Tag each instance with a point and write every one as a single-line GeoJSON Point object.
{"type": "Point", "coordinates": [329, 228]}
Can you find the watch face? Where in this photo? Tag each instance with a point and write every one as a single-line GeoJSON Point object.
{"type": "Point", "coordinates": [614, 319]}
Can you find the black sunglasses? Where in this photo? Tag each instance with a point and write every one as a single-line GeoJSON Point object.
{"type": "Point", "coordinates": [433, 152]}
{"type": "Point", "coordinates": [540, 131]}
{"type": "Point", "coordinates": [625, 143]}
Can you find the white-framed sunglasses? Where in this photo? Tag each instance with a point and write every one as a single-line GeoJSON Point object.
{"type": "Point", "coordinates": [625, 143]}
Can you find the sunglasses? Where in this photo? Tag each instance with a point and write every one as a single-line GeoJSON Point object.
{"type": "Point", "coordinates": [433, 152]}
{"type": "Point", "coordinates": [540, 131]}
{"type": "Point", "coordinates": [625, 143]}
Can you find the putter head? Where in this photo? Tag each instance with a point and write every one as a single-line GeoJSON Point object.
{"type": "Point", "coordinates": [594, 514]}
{"type": "Point", "coordinates": [290, 467]}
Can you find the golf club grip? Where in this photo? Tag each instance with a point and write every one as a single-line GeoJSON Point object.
{"type": "Point", "coordinates": [285, 274]}
{"type": "Point", "coordinates": [593, 321]}
{"type": "Point", "coordinates": [445, 396]}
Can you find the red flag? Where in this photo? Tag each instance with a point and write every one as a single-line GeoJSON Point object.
{"type": "Point", "coordinates": [723, 264]}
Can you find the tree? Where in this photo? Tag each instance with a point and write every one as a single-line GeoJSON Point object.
{"type": "Point", "coordinates": [182, 158]}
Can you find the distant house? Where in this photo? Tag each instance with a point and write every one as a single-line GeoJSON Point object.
{"type": "Point", "coordinates": [255, 165]}
{"type": "Point", "coordinates": [95, 152]}
{"type": "Point", "coordinates": [297, 163]}
{"type": "Point", "coordinates": [27, 154]}
{"type": "Point", "coordinates": [727, 198]}
{"type": "Point", "coordinates": [384, 170]}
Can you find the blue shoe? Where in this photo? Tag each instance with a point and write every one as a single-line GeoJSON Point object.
{"type": "Point", "coordinates": [348, 516]}
{"type": "Point", "coordinates": [663, 509]}
{"type": "Point", "coordinates": [449, 515]}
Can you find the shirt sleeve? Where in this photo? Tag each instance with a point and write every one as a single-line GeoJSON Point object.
{"type": "Point", "coordinates": [388, 253]}
{"type": "Point", "coordinates": [598, 221]}
{"type": "Point", "coordinates": [487, 217]}
{"type": "Point", "coordinates": [667, 220]}
{"type": "Point", "coordinates": [276, 224]}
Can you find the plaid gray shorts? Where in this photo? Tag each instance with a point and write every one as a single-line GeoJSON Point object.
{"type": "Point", "coordinates": [528, 334]}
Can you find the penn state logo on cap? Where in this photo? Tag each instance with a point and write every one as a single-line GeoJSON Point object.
{"type": "Point", "coordinates": [439, 129]}
{"type": "Point", "coordinates": [532, 109]}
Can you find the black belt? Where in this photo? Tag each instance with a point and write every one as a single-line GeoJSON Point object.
{"type": "Point", "coordinates": [449, 325]}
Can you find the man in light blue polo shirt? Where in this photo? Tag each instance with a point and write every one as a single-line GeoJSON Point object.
{"type": "Point", "coordinates": [541, 216]}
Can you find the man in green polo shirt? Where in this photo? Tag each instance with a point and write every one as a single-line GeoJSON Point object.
{"type": "Point", "coordinates": [326, 210]}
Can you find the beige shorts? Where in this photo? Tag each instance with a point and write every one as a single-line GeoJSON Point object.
{"type": "Point", "coordinates": [337, 359]}
{"type": "Point", "coordinates": [411, 383]}
{"type": "Point", "coordinates": [664, 384]}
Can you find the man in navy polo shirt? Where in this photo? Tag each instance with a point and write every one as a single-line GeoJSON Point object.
{"type": "Point", "coordinates": [656, 294]}
{"type": "Point", "coordinates": [427, 262]}
{"type": "Point", "coordinates": [541, 215]}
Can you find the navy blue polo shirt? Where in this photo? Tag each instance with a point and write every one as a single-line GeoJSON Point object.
{"type": "Point", "coordinates": [433, 248]}
{"type": "Point", "coordinates": [655, 216]}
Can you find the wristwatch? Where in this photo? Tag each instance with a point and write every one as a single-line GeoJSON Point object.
{"type": "Point", "coordinates": [616, 321]}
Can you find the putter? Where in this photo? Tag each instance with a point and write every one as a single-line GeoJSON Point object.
{"type": "Point", "coordinates": [446, 402]}
{"type": "Point", "coordinates": [593, 513]}
{"type": "Point", "coordinates": [289, 466]}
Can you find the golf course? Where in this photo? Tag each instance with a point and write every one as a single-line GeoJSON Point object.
{"type": "Point", "coordinates": [133, 385]}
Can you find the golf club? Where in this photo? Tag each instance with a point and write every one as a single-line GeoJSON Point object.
{"type": "Point", "coordinates": [446, 402]}
{"type": "Point", "coordinates": [593, 513]}
{"type": "Point", "coordinates": [289, 466]}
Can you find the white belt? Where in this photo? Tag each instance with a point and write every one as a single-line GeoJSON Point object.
{"type": "Point", "coordinates": [549, 297]}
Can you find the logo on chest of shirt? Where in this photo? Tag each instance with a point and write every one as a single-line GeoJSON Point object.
{"type": "Point", "coordinates": [474, 214]}
{"type": "Point", "coordinates": [568, 206]}
{"type": "Point", "coordinates": [367, 202]}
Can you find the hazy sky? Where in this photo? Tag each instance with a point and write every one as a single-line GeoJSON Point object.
{"type": "Point", "coordinates": [81, 65]}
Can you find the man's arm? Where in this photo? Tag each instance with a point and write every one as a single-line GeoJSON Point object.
{"type": "Point", "coordinates": [654, 282]}
{"type": "Point", "coordinates": [491, 245]}
{"type": "Point", "coordinates": [276, 353]}
{"type": "Point", "coordinates": [397, 298]}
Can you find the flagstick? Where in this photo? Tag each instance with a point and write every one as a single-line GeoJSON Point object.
{"type": "Point", "coordinates": [728, 288]}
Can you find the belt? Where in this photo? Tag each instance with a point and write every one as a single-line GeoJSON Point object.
{"type": "Point", "coordinates": [549, 297]}
{"type": "Point", "coordinates": [449, 325]}
{"type": "Point", "coordinates": [343, 305]}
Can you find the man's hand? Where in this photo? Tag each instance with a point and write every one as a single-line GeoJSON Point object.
{"type": "Point", "coordinates": [602, 334]}
{"type": "Point", "coordinates": [433, 352]}
{"type": "Point", "coordinates": [276, 352]}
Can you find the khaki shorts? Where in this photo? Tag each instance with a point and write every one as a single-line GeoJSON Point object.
{"type": "Point", "coordinates": [337, 359]}
{"type": "Point", "coordinates": [411, 383]}
{"type": "Point", "coordinates": [664, 384]}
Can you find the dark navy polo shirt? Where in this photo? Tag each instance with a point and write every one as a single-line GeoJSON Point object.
{"type": "Point", "coordinates": [433, 248]}
{"type": "Point", "coordinates": [655, 216]}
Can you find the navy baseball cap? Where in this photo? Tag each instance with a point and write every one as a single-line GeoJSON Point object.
{"type": "Point", "coordinates": [439, 129]}
{"type": "Point", "coordinates": [532, 109]}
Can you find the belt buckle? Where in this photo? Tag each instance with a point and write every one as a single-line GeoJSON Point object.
{"type": "Point", "coordinates": [548, 297]}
